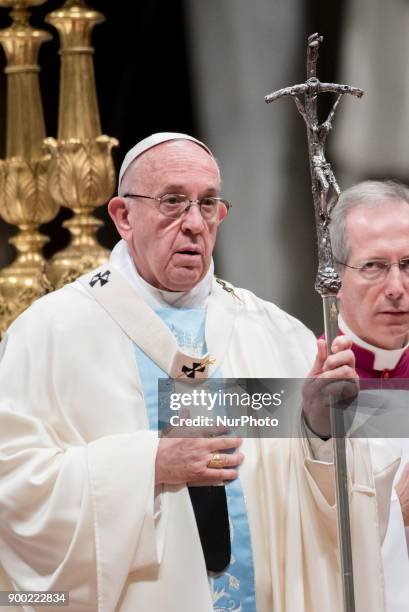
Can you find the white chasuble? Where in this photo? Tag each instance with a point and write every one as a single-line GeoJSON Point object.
{"type": "Point", "coordinates": [78, 506]}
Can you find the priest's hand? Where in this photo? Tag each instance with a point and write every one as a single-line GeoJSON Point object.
{"type": "Point", "coordinates": [186, 460]}
{"type": "Point", "coordinates": [334, 375]}
{"type": "Point", "coordinates": [402, 489]}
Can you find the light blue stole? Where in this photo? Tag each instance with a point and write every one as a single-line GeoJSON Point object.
{"type": "Point", "coordinates": [232, 590]}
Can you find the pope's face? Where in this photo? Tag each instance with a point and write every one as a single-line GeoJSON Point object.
{"type": "Point", "coordinates": [377, 311]}
{"type": "Point", "coordinates": [171, 254]}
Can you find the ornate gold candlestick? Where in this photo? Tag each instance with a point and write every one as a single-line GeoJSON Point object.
{"type": "Point", "coordinates": [81, 174]}
{"type": "Point", "coordinates": [24, 197]}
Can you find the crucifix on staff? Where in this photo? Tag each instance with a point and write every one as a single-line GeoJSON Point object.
{"type": "Point", "coordinates": [328, 281]}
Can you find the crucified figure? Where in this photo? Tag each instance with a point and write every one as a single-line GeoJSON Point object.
{"type": "Point", "coordinates": [322, 176]}
{"type": "Point", "coordinates": [317, 133]}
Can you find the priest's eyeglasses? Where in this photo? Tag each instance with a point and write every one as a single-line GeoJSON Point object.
{"type": "Point", "coordinates": [174, 205]}
{"type": "Point", "coordinates": [378, 269]}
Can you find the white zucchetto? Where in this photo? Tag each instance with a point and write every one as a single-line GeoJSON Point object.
{"type": "Point", "coordinates": [152, 141]}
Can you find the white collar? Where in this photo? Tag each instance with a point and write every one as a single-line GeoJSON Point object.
{"type": "Point", "coordinates": [157, 298]}
{"type": "Point", "coordinates": [385, 359]}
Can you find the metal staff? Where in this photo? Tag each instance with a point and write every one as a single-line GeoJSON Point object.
{"type": "Point", "coordinates": [327, 283]}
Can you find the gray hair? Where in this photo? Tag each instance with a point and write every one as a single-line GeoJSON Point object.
{"type": "Point", "coordinates": [368, 194]}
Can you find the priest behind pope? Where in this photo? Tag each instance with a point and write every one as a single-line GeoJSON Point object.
{"type": "Point", "coordinates": [370, 240]}
{"type": "Point", "coordinates": [93, 503]}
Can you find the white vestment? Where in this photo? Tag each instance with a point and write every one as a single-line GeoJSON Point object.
{"type": "Point", "coordinates": [394, 548]}
{"type": "Point", "coordinates": [78, 506]}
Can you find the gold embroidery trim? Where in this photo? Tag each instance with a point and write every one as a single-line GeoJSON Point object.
{"type": "Point", "coordinates": [227, 288]}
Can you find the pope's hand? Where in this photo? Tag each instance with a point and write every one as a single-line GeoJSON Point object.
{"type": "Point", "coordinates": [185, 460]}
{"type": "Point", "coordinates": [332, 374]}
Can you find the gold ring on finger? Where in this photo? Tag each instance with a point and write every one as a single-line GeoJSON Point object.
{"type": "Point", "coordinates": [216, 461]}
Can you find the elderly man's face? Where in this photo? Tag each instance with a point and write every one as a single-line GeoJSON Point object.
{"type": "Point", "coordinates": [171, 254]}
{"type": "Point", "coordinates": [377, 311]}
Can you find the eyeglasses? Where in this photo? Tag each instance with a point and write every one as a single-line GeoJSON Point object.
{"type": "Point", "coordinates": [174, 205]}
{"type": "Point", "coordinates": [378, 268]}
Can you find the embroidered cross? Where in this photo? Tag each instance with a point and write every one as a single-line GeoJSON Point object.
{"type": "Point", "coordinates": [197, 367]}
{"type": "Point", "coordinates": [100, 278]}
{"type": "Point", "coordinates": [191, 372]}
